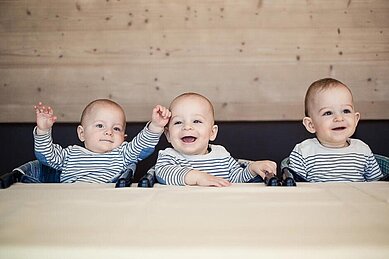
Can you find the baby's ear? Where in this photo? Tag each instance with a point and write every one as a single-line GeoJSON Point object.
{"type": "Point", "coordinates": [80, 133]}
{"type": "Point", "coordinates": [357, 117]}
{"type": "Point", "coordinates": [167, 134]}
{"type": "Point", "coordinates": [308, 123]}
{"type": "Point", "coordinates": [214, 131]}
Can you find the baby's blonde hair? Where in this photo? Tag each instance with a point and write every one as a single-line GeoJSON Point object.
{"type": "Point", "coordinates": [318, 86]}
{"type": "Point", "coordinates": [87, 110]}
{"type": "Point", "coordinates": [189, 94]}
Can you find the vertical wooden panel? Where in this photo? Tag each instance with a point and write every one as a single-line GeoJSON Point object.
{"type": "Point", "coordinates": [253, 59]}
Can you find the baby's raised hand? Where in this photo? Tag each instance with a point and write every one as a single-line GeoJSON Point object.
{"type": "Point", "coordinates": [44, 118]}
{"type": "Point", "coordinates": [159, 118]}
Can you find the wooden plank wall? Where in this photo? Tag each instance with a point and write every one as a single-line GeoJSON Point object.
{"type": "Point", "coordinates": [253, 59]}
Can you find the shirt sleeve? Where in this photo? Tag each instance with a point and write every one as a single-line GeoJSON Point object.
{"type": "Point", "coordinates": [297, 162]}
{"type": "Point", "coordinates": [372, 171]}
{"type": "Point", "coordinates": [169, 170]}
{"type": "Point", "coordinates": [47, 152]}
{"type": "Point", "coordinates": [141, 146]}
{"type": "Point", "coordinates": [238, 174]}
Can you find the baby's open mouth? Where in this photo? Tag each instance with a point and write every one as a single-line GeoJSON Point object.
{"type": "Point", "coordinates": [339, 128]}
{"type": "Point", "coordinates": [188, 139]}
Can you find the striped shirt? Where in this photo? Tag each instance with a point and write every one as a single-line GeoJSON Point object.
{"type": "Point", "coordinates": [171, 166]}
{"type": "Point", "coordinates": [317, 163]}
{"type": "Point", "coordinates": [78, 164]}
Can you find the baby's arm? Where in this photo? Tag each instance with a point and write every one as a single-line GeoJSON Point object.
{"type": "Point", "coordinates": [262, 167]}
{"type": "Point", "coordinates": [45, 150]}
{"type": "Point", "coordinates": [297, 162]}
{"type": "Point", "coordinates": [174, 171]}
{"type": "Point", "coordinates": [372, 169]}
{"type": "Point", "coordinates": [159, 118]}
{"type": "Point", "coordinates": [44, 118]}
{"type": "Point", "coordinates": [195, 177]}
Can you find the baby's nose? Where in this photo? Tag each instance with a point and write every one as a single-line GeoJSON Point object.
{"type": "Point", "coordinates": [338, 117]}
{"type": "Point", "coordinates": [188, 126]}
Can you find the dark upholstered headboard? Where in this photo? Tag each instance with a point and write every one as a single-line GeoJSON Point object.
{"type": "Point", "coordinates": [249, 140]}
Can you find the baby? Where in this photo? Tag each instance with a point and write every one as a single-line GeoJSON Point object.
{"type": "Point", "coordinates": [192, 160]}
{"type": "Point", "coordinates": [106, 153]}
{"type": "Point", "coordinates": [332, 155]}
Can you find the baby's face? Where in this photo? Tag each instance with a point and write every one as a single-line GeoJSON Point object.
{"type": "Point", "coordinates": [333, 116]}
{"type": "Point", "coordinates": [103, 129]}
{"type": "Point", "coordinates": [191, 125]}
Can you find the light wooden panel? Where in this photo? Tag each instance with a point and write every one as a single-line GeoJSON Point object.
{"type": "Point", "coordinates": [253, 59]}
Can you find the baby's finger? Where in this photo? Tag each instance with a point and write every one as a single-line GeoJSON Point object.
{"type": "Point", "coordinates": [166, 114]}
{"type": "Point", "coordinates": [37, 107]}
{"type": "Point", "coordinates": [216, 184]}
{"type": "Point", "coordinates": [40, 109]}
{"type": "Point", "coordinates": [269, 169]}
{"type": "Point", "coordinates": [49, 110]}
{"type": "Point", "coordinates": [270, 166]}
{"type": "Point", "coordinates": [161, 109]}
{"type": "Point", "coordinates": [219, 182]}
{"type": "Point", "coordinates": [225, 183]}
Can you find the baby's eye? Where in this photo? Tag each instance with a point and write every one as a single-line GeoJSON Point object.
{"type": "Point", "coordinates": [346, 111]}
{"type": "Point", "coordinates": [327, 113]}
{"type": "Point", "coordinates": [177, 123]}
{"type": "Point", "coordinates": [117, 129]}
{"type": "Point", "coordinates": [196, 121]}
{"type": "Point", "coordinates": [99, 125]}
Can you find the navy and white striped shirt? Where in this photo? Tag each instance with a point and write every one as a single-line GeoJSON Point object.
{"type": "Point", "coordinates": [78, 164]}
{"type": "Point", "coordinates": [317, 163]}
{"type": "Point", "coordinates": [172, 166]}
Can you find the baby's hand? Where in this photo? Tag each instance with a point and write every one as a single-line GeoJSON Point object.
{"type": "Point", "coordinates": [44, 118]}
{"type": "Point", "coordinates": [159, 119]}
{"type": "Point", "coordinates": [195, 177]}
{"type": "Point", "coordinates": [262, 167]}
